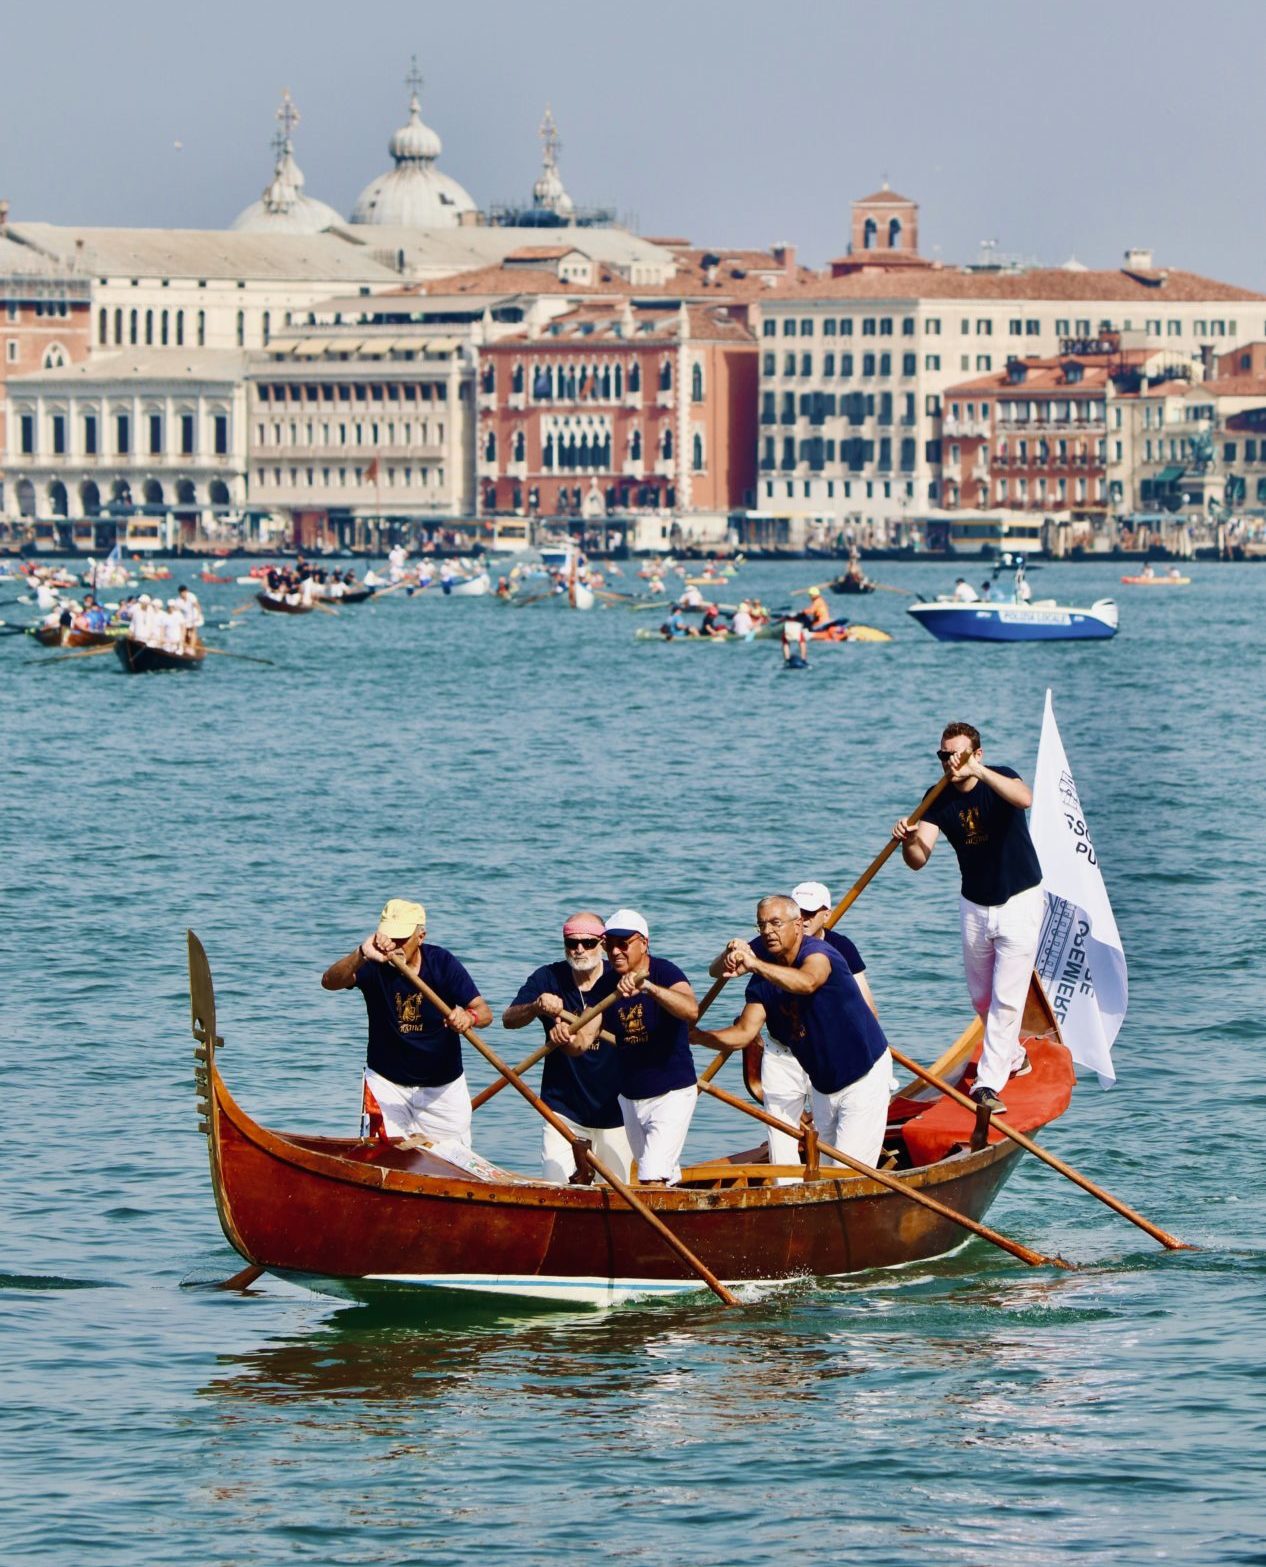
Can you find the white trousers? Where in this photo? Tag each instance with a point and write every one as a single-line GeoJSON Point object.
{"type": "Point", "coordinates": [441, 1115]}
{"type": "Point", "coordinates": [785, 1085]}
{"type": "Point", "coordinates": [999, 948]}
{"type": "Point", "coordinates": [610, 1144]}
{"type": "Point", "coordinates": [657, 1130]}
{"type": "Point", "coordinates": [854, 1118]}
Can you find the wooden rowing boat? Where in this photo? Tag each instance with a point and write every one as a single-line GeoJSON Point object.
{"type": "Point", "coordinates": [1154, 581]}
{"type": "Point", "coordinates": [69, 636]}
{"type": "Point", "coordinates": [138, 658]}
{"type": "Point", "coordinates": [359, 1216]}
{"type": "Point", "coordinates": [354, 596]}
{"type": "Point", "coordinates": [276, 606]}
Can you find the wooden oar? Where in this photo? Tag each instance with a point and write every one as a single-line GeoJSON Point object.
{"type": "Point", "coordinates": [836, 914]}
{"type": "Point", "coordinates": [1170, 1242]}
{"type": "Point", "coordinates": [579, 1145]}
{"type": "Point", "coordinates": [1024, 1253]}
{"type": "Point", "coordinates": [244, 658]}
{"type": "Point", "coordinates": [882, 587]}
{"type": "Point", "coordinates": [326, 609]}
{"type": "Point", "coordinates": [240, 609]}
{"type": "Point", "coordinates": [542, 1050]}
{"type": "Point", "coordinates": [62, 658]}
{"type": "Point", "coordinates": [239, 1281]}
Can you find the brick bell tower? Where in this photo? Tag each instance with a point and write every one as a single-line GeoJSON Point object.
{"type": "Point", "coordinates": [885, 225]}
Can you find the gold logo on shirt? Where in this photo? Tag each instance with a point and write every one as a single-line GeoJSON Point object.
{"type": "Point", "coordinates": [633, 1023]}
{"type": "Point", "coordinates": [969, 820]}
{"type": "Point", "coordinates": [409, 1015]}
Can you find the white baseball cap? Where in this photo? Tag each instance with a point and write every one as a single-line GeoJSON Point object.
{"type": "Point", "coordinates": [627, 922]}
{"type": "Point", "coordinates": [811, 896]}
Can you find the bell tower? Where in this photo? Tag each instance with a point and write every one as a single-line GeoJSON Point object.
{"type": "Point", "coordinates": [885, 225]}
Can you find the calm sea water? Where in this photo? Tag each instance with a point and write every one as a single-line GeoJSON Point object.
{"type": "Point", "coordinates": [504, 766]}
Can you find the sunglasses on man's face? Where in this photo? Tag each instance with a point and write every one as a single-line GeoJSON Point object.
{"type": "Point", "coordinates": [581, 943]}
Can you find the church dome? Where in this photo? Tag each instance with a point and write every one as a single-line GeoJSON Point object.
{"type": "Point", "coordinates": [549, 193]}
{"type": "Point", "coordinates": [414, 194]}
{"type": "Point", "coordinates": [283, 208]}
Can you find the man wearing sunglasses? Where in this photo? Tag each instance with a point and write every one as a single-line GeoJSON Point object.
{"type": "Point", "coordinates": [581, 1085]}
{"type": "Point", "coordinates": [414, 1080]}
{"type": "Point", "coordinates": [1002, 903]}
{"type": "Point", "coordinates": [651, 1023]}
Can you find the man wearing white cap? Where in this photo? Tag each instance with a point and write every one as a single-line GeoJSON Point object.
{"type": "Point", "coordinates": [172, 628]}
{"type": "Point", "coordinates": [414, 1081]}
{"type": "Point", "coordinates": [142, 622]}
{"type": "Point", "coordinates": [582, 1086]}
{"type": "Point", "coordinates": [651, 1023]}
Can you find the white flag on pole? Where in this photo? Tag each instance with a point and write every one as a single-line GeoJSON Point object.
{"type": "Point", "coordinates": [1079, 956]}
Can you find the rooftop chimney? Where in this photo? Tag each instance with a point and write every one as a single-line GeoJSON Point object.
{"type": "Point", "coordinates": [785, 256]}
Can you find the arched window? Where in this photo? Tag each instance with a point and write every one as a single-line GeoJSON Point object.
{"type": "Point", "coordinates": [202, 329]}
{"type": "Point", "coordinates": [133, 326]}
{"type": "Point", "coordinates": [869, 234]}
{"type": "Point", "coordinates": [163, 327]}
{"type": "Point", "coordinates": [520, 446]}
{"type": "Point", "coordinates": [894, 234]}
{"type": "Point", "coordinates": [90, 498]}
{"type": "Point", "coordinates": [57, 499]}
{"type": "Point", "coordinates": [696, 383]}
{"type": "Point", "coordinates": [547, 452]}
{"type": "Point", "coordinates": [666, 376]}
{"type": "Point", "coordinates": [103, 326]}
{"type": "Point", "coordinates": [666, 442]}
{"type": "Point", "coordinates": [635, 377]}
{"type": "Point", "coordinates": [149, 326]}
{"type": "Point", "coordinates": [696, 453]}
{"type": "Point", "coordinates": [118, 326]}
{"type": "Point", "coordinates": [619, 380]}
{"type": "Point", "coordinates": [54, 356]}
{"type": "Point", "coordinates": [635, 446]}
{"type": "Point", "coordinates": [488, 382]}
{"type": "Point", "coordinates": [490, 446]}
{"type": "Point", "coordinates": [153, 493]}
{"type": "Point", "coordinates": [180, 329]}
{"type": "Point", "coordinates": [516, 379]}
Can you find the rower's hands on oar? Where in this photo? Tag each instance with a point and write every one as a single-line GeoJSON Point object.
{"type": "Point", "coordinates": [738, 958]}
{"type": "Point", "coordinates": [630, 984]}
{"type": "Point", "coordinates": [460, 1020]}
{"type": "Point", "coordinates": [903, 831]}
{"type": "Point", "coordinates": [548, 1005]}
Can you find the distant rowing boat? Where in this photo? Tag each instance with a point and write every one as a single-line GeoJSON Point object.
{"type": "Point", "coordinates": [1157, 582]}
{"type": "Point", "coordinates": [138, 658]}
{"type": "Point", "coordinates": [70, 636]}
{"type": "Point", "coordinates": [279, 606]}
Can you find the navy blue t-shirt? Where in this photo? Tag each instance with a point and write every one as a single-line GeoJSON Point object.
{"type": "Point", "coordinates": [653, 1049]}
{"type": "Point", "coordinates": [833, 938]}
{"type": "Point", "coordinates": [832, 1033]}
{"type": "Point", "coordinates": [991, 839]}
{"type": "Point", "coordinates": [408, 1042]}
{"type": "Point", "coordinates": [583, 1088]}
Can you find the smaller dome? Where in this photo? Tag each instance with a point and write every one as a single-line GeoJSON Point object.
{"type": "Point", "coordinates": [283, 208]}
{"type": "Point", "coordinates": [549, 193]}
{"type": "Point", "coordinates": [415, 142]}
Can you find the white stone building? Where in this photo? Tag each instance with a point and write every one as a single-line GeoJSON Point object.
{"type": "Point", "coordinates": [161, 434]}
{"type": "Point", "coordinates": [854, 366]}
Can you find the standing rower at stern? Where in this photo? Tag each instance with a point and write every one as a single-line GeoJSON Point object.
{"type": "Point", "coordinates": [1002, 903]}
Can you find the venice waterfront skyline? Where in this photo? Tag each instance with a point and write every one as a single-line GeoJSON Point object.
{"type": "Point", "coordinates": [1053, 133]}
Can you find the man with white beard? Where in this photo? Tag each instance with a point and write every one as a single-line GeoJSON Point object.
{"type": "Point", "coordinates": [581, 1088]}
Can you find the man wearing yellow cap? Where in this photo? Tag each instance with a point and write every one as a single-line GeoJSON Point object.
{"type": "Point", "coordinates": [818, 612]}
{"type": "Point", "coordinates": [414, 1080]}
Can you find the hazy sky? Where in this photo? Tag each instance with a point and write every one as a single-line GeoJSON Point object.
{"type": "Point", "coordinates": [1070, 127]}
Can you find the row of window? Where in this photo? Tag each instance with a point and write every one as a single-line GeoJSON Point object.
{"type": "Point", "coordinates": [603, 380]}
{"type": "Point", "coordinates": [387, 475]}
{"type": "Point", "coordinates": [856, 407]}
{"type": "Point", "coordinates": [854, 454]}
{"type": "Point", "coordinates": [154, 426]}
{"type": "Point", "coordinates": [871, 364]}
{"type": "Point", "coordinates": [1054, 410]}
{"type": "Point", "coordinates": [156, 328]}
{"type": "Point", "coordinates": [583, 450]}
{"type": "Point", "coordinates": [355, 433]}
{"type": "Point", "coordinates": [871, 326]}
{"type": "Point", "coordinates": [870, 487]}
{"type": "Point", "coordinates": [352, 392]}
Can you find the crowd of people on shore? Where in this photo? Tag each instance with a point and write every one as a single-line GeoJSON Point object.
{"type": "Point", "coordinates": [624, 1079]}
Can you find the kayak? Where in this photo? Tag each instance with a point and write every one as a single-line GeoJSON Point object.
{"type": "Point", "coordinates": [845, 634]}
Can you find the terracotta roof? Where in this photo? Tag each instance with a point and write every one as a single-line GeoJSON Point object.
{"type": "Point", "coordinates": [1175, 388]}
{"type": "Point", "coordinates": [593, 324]}
{"type": "Point", "coordinates": [1233, 386]}
{"type": "Point", "coordinates": [884, 198]}
{"type": "Point", "coordinates": [1054, 283]}
{"type": "Point", "coordinates": [730, 283]}
{"type": "Point", "coordinates": [1047, 375]}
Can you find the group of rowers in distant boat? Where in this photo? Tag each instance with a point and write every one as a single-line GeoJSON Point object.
{"type": "Point", "coordinates": [303, 585]}
{"type": "Point", "coordinates": [172, 626]}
